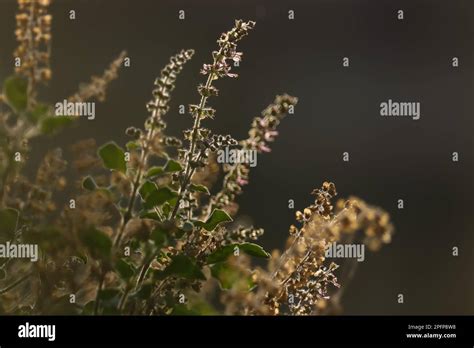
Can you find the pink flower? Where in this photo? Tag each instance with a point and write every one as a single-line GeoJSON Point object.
{"type": "Point", "coordinates": [262, 147]}
{"type": "Point", "coordinates": [270, 135]}
{"type": "Point", "coordinates": [242, 181]}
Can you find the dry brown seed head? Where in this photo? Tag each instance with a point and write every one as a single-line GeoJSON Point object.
{"type": "Point", "coordinates": [299, 216]}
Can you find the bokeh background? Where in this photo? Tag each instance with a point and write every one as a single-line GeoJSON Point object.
{"type": "Point", "coordinates": [338, 111]}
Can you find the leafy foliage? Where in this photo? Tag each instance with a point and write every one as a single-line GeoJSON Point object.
{"type": "Point", "coordinates": [15, 91]}
{"type": "Point", "coordinates": [145, 232]}
{"type": "Point", "coordinates": [113, 157]}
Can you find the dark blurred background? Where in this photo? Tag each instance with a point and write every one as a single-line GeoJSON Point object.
{"type": "Point", "coordinates": [338, 111]}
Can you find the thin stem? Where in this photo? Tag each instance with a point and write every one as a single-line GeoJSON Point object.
{"type": "Point", "coordinates": [4, 183]}
{"type": "Point", "coordinates": [128, 214]}
{"type": "Point", "coordinates": [214, 199]}
{"type": "Point", "coordinates": [31, 92]}
{"type": "Point", "coordinates": [188, 172]}
{"type": "Point", "coordinates": [124, 298]}
{"type": "Point", "coordinates": [143, 271]}
{"type": "Point", "coordinates": [290, 249]}
{"type": "Point", "coordinates": [136, 183]}
{"type": "Point", "coordinates": [97, 296]}
{"type": "Point", "coordinates": [286, 254]}
{"type": "Point", "coordinates": [155, 292]}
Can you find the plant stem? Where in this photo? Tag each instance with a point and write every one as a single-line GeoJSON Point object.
{"type": "Point", "coordinates": [97, 296]}
{"type": "Point", "coordinates": [136, 183]}
{"type": "Point", "coordinates": [31, 88]}
{"type": "Point", "coordinates": [144, 269]}
{"type": "Point", "coordinates": [188, 172]}
{"type": "Point", "coordinates": [123, 299]}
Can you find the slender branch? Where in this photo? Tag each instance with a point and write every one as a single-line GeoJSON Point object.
{"type": "Point", "coordinates": [188, 172]}
{"type": "Point", "coordinates": [136, 183]}
{"type": "Point", "coordinates": [97, 296]}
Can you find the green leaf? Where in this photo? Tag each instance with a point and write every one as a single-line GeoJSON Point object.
{"type": "Point", "coordinates": [217, 217]}
{"type": "Point", "coordinates": [183, 266]}
{"type": "Point", "coordinates": [89, 183]}
{"type": "Point", "coordinates": [147, 188]}
{"type": "Point", "coordinates": [144, 293]}
{"type": "Point", "coordinates": [166, 208]}
{"type": "Point", "coordinates": [222, 253]}
{"type": "Point", "coordinates": [159, 236]}
{"type": "Point", "coordinates": [182, 309]}
{"type": "Point", "coordinates": [88, 309]}
{"type": "Point", "coordinates": [160, 196]}
{"type": "Point", "coordinates": [132, 145]}
{"type": "Point", "coordinates": [108, 294]}
{"type": "Point", "coordinates": [39, 112]}
{"type": "Point", "coordinates": [229, 277]}
{"type": "Point", "coordinates": [154, 171]}
{"type": "Point", "coordinates": [98, 243]}
{"type": "Point", "coordinates": [172, 166]}
{"type": "Point", "coordinates": [199, 188]}
{"type": "Point", "coordinates": [15, 90]}
{"type": "Point", "coordinates": [125, 269]}
{"type": "Point", "coordinates": [113, 157]}
{"type": "Point", "coordinates": [253, 249]}
{"type": "Point", "coordinates": [8, 222]}
{"type": "Point", "coordinates": [53, 124]}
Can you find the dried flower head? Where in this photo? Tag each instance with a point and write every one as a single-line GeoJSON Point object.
{"type": "Point", "coordinates": [97, 87]}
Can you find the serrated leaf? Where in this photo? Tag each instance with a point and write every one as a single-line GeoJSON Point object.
{"type": "Point", "coordinates": [199, 188]}
{"type": "Point", "coordinates": [89, 183]}
{"type": "Point", "coordinates": [113, 157]}
{"type": "Point", "coordinates": [15, 90]}
{"type": "Point", "coordinates": [98, 243]}
{"type": "Point", "coordinates": [217, 217]}
{"type": "Point", "coordinates": [222, 253]}
{"type": "Point", "coordinates": [125, 269]}
{"type": "Point", "coordinates": [184, 267]}
{"type": "Point", "coordinates": [173, 166]}
{"type": "Point", "coordinates": [8, 222]}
